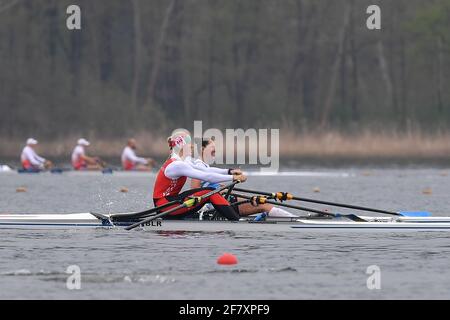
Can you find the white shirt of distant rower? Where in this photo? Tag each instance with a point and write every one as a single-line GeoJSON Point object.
{"type": "Point", "coordinates": [77, 153]}
{"type": "Point", "coordinates": [29, 154]}
{"type": "Point", "coordinates": [192, 169]}
{"type": "Point", "coordinates": [128, 154]}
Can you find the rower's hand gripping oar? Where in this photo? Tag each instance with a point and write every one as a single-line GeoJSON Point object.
{"type": "Point", "coordinates": [264, 199]}
{"type": "Point", "coordinates": [283, 196]}
{"type": "Point", "coordinates": [192, 201]}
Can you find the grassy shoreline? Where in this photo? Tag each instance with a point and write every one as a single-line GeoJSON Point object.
{"type": "Point", "coordinates": [332, 146]}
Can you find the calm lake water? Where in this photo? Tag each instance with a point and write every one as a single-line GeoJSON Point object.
{"type": "Point", "coordinates": [296, 265]}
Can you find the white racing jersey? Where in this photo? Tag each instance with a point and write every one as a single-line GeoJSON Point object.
{"type": "Point", "coordinates": [77, 154]}
{"type": "Point", "coordinates": [130, 159]}
{"type": "Point", "coordinates": [30, 157]}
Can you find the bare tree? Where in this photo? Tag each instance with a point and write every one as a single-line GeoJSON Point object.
{"type": "Point", "coordinates": [158, 49]}
{"type": "Point", "coordinates": [384, 69]}
{"type": "Point", "coordinates": [440, 73]}
{"type": "Point", "coordinates": [137, 54]}
{"type": "Point", "coordinates": [335, 69]}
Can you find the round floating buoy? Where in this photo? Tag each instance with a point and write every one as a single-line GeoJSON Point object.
{"type": "Point", "coordinates": [21, 189]}
{"type": "Point", "coordinates": [316, 189]}
{"type": "Point", "coordinates": [227, 259]}
{"type": "Point", "coordinates": [444, 174]}
{"type": "Point", "coordinates": [366, 173]}
{"type": "Point", "coordinates": [427, 191]}
{"type": "Point", "coordinates": [124, 190]}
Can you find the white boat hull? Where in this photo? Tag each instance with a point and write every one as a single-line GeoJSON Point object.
{"type": "Point", "coordinates": [49, 220]}
{"type": "Point", "coordinates": [351, 225]}
{"type": "Point", "coordinates": [88, 220]}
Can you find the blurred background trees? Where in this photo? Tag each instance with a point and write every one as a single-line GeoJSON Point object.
{"type": "Point", "coordinates": [151, 65]}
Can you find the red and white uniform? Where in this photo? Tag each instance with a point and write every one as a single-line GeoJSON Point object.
{"type": "Point", "coordinates": [173, 175]}
{"type": "Point", "coordinates": [78, 162]}
{"type": "Point", "coordinates": [30, 159]}
{"type": "Point", "coordinates": [130, 160]}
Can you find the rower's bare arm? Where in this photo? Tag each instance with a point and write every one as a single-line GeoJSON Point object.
{"type": "Point", "coordinates": [151, 162]}
{"type": "Point", "coordinates": [48, 164]}
{"type": "Point", "coordinates": [89, 160]}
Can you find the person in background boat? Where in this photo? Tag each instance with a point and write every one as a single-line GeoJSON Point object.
{"type": "Point", "coordinates": [208, 154]}
{"type": "Point", "coordinates": [130, 161]}
{"type": "Point", "coordinates": [81, 161]}
{"type": "Point", "coordinates": [178, 167]}
{"type": "Point", "coordinates": [30, 160]}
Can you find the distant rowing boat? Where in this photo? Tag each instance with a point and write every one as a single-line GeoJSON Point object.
{"type": "Point", "coordinates": [93, 220]}
{"type": "Point", "coordinates": [62, 170]}
{"type": "Point", "coordinates": [68, 171]}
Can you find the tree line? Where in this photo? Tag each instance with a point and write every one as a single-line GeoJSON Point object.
{"type": "Point", "coordinates": [140, 65]}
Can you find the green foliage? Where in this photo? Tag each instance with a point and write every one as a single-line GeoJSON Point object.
{"type": "Point", "coordinates": [432, 22]}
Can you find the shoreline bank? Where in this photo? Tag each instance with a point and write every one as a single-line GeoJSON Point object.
{"type": "Point", "coordinates": [334, 149]}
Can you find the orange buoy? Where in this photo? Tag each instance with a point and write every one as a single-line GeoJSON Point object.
{"type": "Point", "coordinates": [21, 189]}
{"type": "Point", "coordinates": [124, 190]}
{"type": "Point", "coordinates": [227, 259]}
{"type": "Point", "coordinates": [316, 189]}
{"type": "Point", "coordinates": [427, 191]}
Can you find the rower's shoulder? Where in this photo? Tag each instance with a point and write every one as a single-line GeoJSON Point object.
{"type": "Point", "coordinates": [198, 162]}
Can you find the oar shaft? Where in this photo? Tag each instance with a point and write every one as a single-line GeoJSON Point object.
{"type": "Point", "coordinates": [343, 205]}
{"type": "Point", "coordinates": [335, 204]}
{"type": "Point", "coordinates": [286, 205]}
{"type": "Point", "coordinates": [185, 204]}
{"type": "Point", "coordinates": [156, 216]}
{"type": "Point", "coordinates": [145, 213]}
{"type": "Point", "coordinates": [352, 217]}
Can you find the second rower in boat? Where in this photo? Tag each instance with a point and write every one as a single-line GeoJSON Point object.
{"type": "Point", "coordinates": [131, 162]}
{"type": "Point", "coordinates": [81, 161]}
{"type": "Point", "coordinates": [208, 153]}
{"type": "Point", "coordinates": [173, 175]}
{"type": "Point", "coordinates": [30, 160]}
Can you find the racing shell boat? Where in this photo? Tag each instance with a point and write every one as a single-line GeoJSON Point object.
{"type": "Point", "coordinates": [95, 220]}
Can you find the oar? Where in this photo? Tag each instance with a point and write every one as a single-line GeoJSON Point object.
{"type": "Point", "coordinates": [186, 204]}
{"type": "Point", "coordinates": [287, 196]}
{"type": "Point", "coordinates": [263, 199]}
{"type": "Point", "coordinates": [142, 214]}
